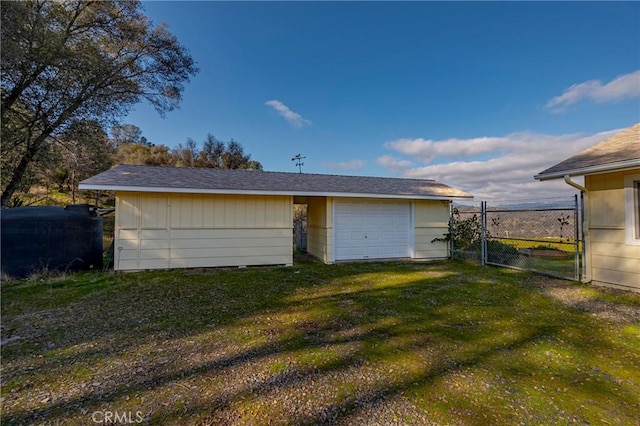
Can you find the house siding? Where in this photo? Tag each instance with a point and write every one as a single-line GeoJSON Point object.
{"type": "Point", "coordinates": [431, 220]}
{"type": "Point", "coordinates": [156, 231]}
{"type": "Point", "coordinates": [612, 260]}
{"type": "Point", "coordinates": [320, 228]}
{"type": "Point", "coordinates": [168, 230]}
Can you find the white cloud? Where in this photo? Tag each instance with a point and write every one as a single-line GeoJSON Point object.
{"type": "Point", "coordinates": [622, 87]}
{"type": "Point", "coordinates": [346, 165]}
{"type": "Point", "coordinates": [292, 117]}
{"type": "Point", "coordinates": [393, 164]}
{"type": "Point", "coordinates": [506, 165]}
{"type": "Point", "coordinates": [428, 149]}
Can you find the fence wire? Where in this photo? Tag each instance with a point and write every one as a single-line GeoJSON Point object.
{"type": "Point", "coordinates": [539, 237]}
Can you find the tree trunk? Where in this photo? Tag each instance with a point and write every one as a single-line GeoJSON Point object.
{"type": "Point", "coordinates": [34, 148]}
{"type": "Point", "coordinates": [73, 187]}
{"type": "Point", "coordinates": [20, 170]}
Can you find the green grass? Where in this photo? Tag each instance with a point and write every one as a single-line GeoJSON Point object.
{"type": "Point", "coordinates": [557, 267]}
{"type": "Point", "coordinates": [563, 244]}
{"type": "Point", "coordinates": [452, 342]}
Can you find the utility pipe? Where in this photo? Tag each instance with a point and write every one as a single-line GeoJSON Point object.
{"type": "Point", "coordinates": [586, 262]}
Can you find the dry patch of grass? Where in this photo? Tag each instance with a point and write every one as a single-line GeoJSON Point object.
{"type": "Point", "coordinates": [372, 343]}
{"type": "Point", "coordinates": [606, 303]}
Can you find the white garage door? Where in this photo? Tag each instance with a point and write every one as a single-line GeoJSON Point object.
{"type": "Point", "coordinates": [372, 229]}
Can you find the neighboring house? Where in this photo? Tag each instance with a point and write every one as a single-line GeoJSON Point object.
{"type": "Point", "coordinates": [611, 216]}
{"type": "Point", "coordinates": [186, 217]}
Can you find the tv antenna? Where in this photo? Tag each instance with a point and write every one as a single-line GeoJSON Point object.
{"type": "Point", "coordinates": [298, 159]}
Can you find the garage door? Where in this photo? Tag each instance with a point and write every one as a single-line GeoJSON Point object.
{"type": "Point", "coordinates": [372, 229]}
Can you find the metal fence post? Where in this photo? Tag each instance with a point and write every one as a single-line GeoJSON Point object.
{"type": "Point", "coordinates": [483, 232]}
{"type": "Point", "coordinates": [583, 225]}
{"type": "Point", "coordinates": [576, 238]}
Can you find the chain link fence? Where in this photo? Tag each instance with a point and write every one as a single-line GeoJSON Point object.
{"type": "Point", "coordinates": [540, 237]}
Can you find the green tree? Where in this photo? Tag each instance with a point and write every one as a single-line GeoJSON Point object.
{"type": "Point", "coordinates": [253, 165]}
{"type": "Point", "coordinates": [211, 153]}
{"type": "Point", "coordinates": [214, 154]}
{"type": "Point", "coordinates": [127, 133]}
{"type": "Point", "coordinates": [64, 62]}
{"type": "Point", "coordinates": [234, 157]}
{"type": "Point", "coordinates": [135, 153]}
{"type": "Point", "coordinates": [186, 155]}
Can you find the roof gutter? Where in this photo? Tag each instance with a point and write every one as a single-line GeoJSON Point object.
{"type": "Point", "coordinates": [586, 222]}
{"type": "Point", "coordinates": [600, 168]}
{"type": "Point", "coordinates": [568, 181]}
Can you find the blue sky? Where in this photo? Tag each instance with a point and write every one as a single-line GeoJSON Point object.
{"type": "Point", "coordinates": [480, 96]}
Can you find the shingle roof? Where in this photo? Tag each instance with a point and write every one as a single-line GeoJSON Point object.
{"type": "Point", "coordinates": [620, 151]}
{"type": "Point", "coordinates": [204, 180]}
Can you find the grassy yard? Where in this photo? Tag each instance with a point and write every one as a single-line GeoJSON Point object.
{"type": "Point", "coordinates": [372, 343]}
{"type": "Point", "coordinates": [557, 243]}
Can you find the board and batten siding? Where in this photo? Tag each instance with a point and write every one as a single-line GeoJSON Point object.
{"type": "Point", "coordinates": [431, 220]}
{"type": "Point", "coordinates": [612, 260]}
{"type": "Point", "coordinates": [160, 230]}
{"type": "Point", "coordinates": [320, 228]}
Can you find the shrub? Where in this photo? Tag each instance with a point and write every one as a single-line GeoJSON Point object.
{"type": "Point", "coordinates": [500, 252]}
{"type": "Point", "coordinates": [463, 233]}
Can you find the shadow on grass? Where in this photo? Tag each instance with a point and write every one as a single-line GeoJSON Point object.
{"type": "Point", "coordinates": [428, 322]}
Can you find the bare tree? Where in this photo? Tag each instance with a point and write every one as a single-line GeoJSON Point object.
{"type": "Point", "coordinates": [85, 151]}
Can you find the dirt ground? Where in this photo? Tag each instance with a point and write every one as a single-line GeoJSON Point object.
{"type": "Point", "coordinates": [579, 297]}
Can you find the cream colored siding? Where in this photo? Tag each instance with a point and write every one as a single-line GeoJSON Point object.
{"type": "Point", "coordinates": [127, 213]}
{"type": "Point", "coordinates": [606, 196]}
{"type": "Point", "coordinates": [320, 228]}
{"type": "Point", "coordinates": [317, 243]}
{"type": "Point", "coordinates": [612, 260]}
{"type": "Point", "coordinates": [183, 230]}
{"type": "Point", "coordinates": [126, 246]}
{"type": "Point", "coordinates": [431, 220]}
{"type": "Point", "coordinates": [162, 230]}
{"type": "Point", "coordinates": [153, 212]}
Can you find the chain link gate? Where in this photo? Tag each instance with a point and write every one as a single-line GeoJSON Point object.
{"type": "Point", "coordinates": [542, 237]}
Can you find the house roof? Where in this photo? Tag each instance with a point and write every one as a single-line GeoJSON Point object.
{"type": "Point", "coordinates": [216, 181]}
{"type": "Point", "coordinates": [619, 152]}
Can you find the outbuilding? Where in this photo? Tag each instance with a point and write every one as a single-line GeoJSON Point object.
{"type": "Point", "coordinates": [169, 217]}
{"type": "Point", "coordinates": [611, 207]}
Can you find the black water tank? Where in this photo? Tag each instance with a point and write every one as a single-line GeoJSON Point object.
{"type": "Point", "coordinates": [53, 238]}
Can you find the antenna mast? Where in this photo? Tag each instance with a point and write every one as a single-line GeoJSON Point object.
{"type": "Point", "coordinates": [298, 159]}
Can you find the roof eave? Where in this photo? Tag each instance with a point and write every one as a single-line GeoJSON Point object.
{"type": "Point", "coordinates": [100, 187]}
{"type": "Point", "coordinates": [600, 168]}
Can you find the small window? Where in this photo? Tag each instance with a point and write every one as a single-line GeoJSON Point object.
{"type": "Point", "coordinates": [632, 208]}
